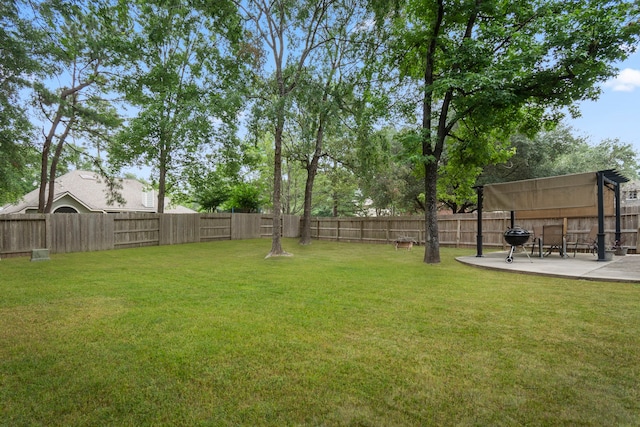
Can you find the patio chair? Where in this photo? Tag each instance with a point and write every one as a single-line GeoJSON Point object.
{"type": "Point", "coordinates": [536, 238]}
{"type": "Point", "coordinates": [590, 242]}
{"type": "Point", "coordinates": [553, 237]}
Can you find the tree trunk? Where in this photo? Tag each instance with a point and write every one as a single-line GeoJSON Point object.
{"type": "Point", "coordinates": [276, 240]}
{"type": "Point", "coordinates": [44, 165]}
{"type": "Point", "coordinates": [305, 232]}
{"type": "Point", "coordinates": [162, 183]}
{"type": "Point", "coordinates": [312, 170]}
{"type": "Point", "coordinates": [44, 175]}
{"type": "Point", "coordinates": [52, 175]}
{"type": "Point", "coordinates": [44, 205]}
{"type": "Point", "coordinates": [54, 165]}
{"type": "Point", "coordinates": [430, 153]}
{"type": "Point", "coordinates": [162, 179]}
{"type": "Point", "coordinates": [432, 242]}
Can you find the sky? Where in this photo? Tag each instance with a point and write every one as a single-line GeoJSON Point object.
{"type": "Point", "coordinates": [616, 114]}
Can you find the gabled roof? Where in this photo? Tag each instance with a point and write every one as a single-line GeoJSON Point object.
{"type": "Point", "coordinates": [90, 190]}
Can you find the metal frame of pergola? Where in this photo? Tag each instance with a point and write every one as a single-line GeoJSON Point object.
{"type": "Point", "coordinates": [605, 179]}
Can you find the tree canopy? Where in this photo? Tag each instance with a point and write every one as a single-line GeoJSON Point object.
{"type": "Point", "coordinates": [20, 60]}
{"type": "Point", "coordinates": [185, 82]}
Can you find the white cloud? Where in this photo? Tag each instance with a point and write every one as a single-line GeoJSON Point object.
{"type": "Point", "coordinates": [626, 81]}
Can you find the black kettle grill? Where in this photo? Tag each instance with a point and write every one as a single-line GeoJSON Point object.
{"type": "Point", "coordinates": [515, 236]}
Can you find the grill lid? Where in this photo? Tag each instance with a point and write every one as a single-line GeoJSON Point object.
{"type": "Point", "coordinates": [516, 236]}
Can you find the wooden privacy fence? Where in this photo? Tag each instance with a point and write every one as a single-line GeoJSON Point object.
{"type": "Point", "coordinates": [460, 230]}
{"type": "Point", "coordinates": [21, 233]}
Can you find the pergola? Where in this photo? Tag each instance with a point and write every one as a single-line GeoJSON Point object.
{"type": "Point", "coordinates": [564, 196]}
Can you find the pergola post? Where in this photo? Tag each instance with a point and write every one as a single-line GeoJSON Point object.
{"type": "Point", "coordinates": [613, 180]}
{"type": "Point", "coordinates": [601, 243]}
{"type": "Point", "coordinates": [618, 230]}
{"type": "Point", "coordinates": [480, 193]}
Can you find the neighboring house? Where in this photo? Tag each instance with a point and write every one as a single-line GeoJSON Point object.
{"type": "Point", "coordinates": [87, 192]}
{"type": "Point", "coordinates": [630, 193]}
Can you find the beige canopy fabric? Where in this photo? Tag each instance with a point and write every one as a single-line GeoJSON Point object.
{"type": "Point", "coordinates": [590, 212]}
{"type": "Point", "coordinates": [566, 196]}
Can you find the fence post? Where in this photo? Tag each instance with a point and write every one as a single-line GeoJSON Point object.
{"type": "Point", "coordinates": [388, 231]}
{"type": "Point", "coordinates": [232, 220]}
{"type": "Point", "coordinates": [47, 231]}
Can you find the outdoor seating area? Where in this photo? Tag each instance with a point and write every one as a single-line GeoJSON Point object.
{"type": "Point", "coordinates": [553, 237]}
{"type": "Point", "coordinates": [583, 266]}
{"type": "Point", "coordinates": [594, 194]}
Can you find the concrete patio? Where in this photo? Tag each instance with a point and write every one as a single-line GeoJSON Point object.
{"type": "Point", "coordinates": [583, 266]}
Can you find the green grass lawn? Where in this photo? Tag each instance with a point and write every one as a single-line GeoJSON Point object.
{"type": "Point", "coordinates": [339, 334]}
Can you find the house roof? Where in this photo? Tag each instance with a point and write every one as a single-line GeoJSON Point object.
{"type": "Point", "coordinates": [91, 191]}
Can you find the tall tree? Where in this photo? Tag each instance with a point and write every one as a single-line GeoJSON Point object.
{"type": "Point", "coordinates": [82, 47]}
{"type": "Point", "coordinates": [289, 32]}
{"type": "Point", "coordinates": [495, 66]}
{"type": "Point", "coordinates": [313, 109]}
{"type": "Point", "coordinates": [317, 119]}
{"type": "Point", "coordinates": [321, 100]}
{"type": "Point", "coordinates": [185, 85]}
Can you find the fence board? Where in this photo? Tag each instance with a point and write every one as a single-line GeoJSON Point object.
{"type": "Point", "coordinates": [246, 226]}
{"type": "Point", "coordinates": [290, 226]}
{"type": "Point", "coordinates": [81, 233]}
{"type": "Point", "coordinates": [20, 233]}
{"type": "Point", "coordinates": [136, 230]}
{"type": "Point", "coordinates": [215, 227]}
{"type": "Point", "coordinates": [177, 229]}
